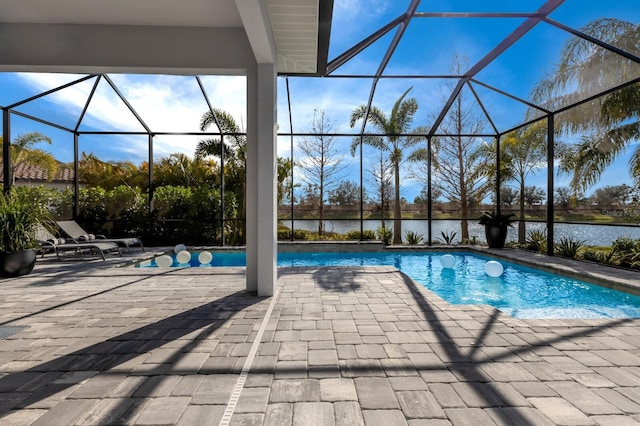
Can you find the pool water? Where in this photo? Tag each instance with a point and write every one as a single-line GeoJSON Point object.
{"type": "Point", "coordinates": [520, 292]}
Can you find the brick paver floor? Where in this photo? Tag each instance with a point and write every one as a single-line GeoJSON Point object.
{"type": "Point", "coordinates": [344, 346]}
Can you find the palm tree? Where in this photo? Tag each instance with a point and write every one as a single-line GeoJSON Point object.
{"type": "Point", "coordinates": [181, 170]}
{"type": "Point", "coordinates": [234, 145]}
{"type": "Point", "coordinates": [522, 152]}
{"type": "Point", "coordinates": [459, 166]}
{"type": "Point", "coordinates": [23, 152]}
{"type": "Point", "coordinates": [608, 123]}
{"type": "Point", "coordinates": [110, 174]}
{"type": "Point", "coordinates": [398, 123]}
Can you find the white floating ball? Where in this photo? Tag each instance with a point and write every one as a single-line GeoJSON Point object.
{"type": "Point", "coordinates": [183, 256]}
{"type": "Point", "coordinates": [180, 247]}
{"type": "Point", "coordinates": [164, 261]}
{"type": "Point", "coordinates": [493, 269]}
{"type": "Point", "coordinates": [205, 257]}
{"type": "Point", "coordinates": [448, 261]}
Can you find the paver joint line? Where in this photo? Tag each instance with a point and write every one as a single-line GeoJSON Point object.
{"type": "Point", "coordinates": [237, 390]}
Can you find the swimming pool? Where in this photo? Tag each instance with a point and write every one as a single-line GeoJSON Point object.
{"type": "Point", "coordinates": [520, 291]}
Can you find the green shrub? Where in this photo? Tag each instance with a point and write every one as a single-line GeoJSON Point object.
{"type": "Point", "coordinates": [536, 240]}
{"type": "Point", "coordinates": [568, 247]}
{"type": "Point", "coordinates": [626, 252]}
{"type": "Point", "coordinates": [597, 255]}
{"type": "Point", "coordinates": [367, 235]}
{"type": "Point", "coordinates": [127, 207]}
{"type": "Point", "coordinates": [93, 209]}
{"type": "Point", "coordinates": [624, 244]}
{"type": "Point", "coordinates": [413, 238]}
{"type": "Point", "coordinates": [353, 235]}
{"type": "Point", "coordinates": [385, 235]}
{"type": "Point", "coordinates": [62, 205]}
{"type": "Point", "coordinates": [173, 202]}
{"type": "Point", "coordinates": [284, 234]}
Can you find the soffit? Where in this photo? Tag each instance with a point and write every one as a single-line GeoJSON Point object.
{"type": "Point", "coordinates": [294, 22]}
{"type": "Point", "coordinates": [183, 13]}
{"type": "Point", "coordinates": [295, 31]}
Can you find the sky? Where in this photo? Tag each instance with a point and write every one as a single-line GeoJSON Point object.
{"type": "Point", "coordinates": [175, 104]}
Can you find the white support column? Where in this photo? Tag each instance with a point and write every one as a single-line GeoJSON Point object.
{"type": "Point", "coordinates": [262, 244]}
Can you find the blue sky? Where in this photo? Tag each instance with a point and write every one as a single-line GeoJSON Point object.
{"type": "Point", "coordinates": [173, 103]}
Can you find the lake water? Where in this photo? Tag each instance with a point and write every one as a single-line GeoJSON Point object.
{"type": "Point", "coordinates": [591, 234]}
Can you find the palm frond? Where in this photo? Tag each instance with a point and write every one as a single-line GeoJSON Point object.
{"type": "Point", "coordinates": [211, 146]}
{"type": "Point", "coordinates": [395, 111]}
{"type": "Point", "coordinates": [634, 166]}
{"type": "Point", "coordinates": [588, 160]}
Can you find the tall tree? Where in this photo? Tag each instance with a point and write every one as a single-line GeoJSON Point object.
{"type": "Point", "coordinates": [508, 195]}
{"type": "Point", "coordinates": [611, 195]}
{"type": "Point", "coordinates": [533, 195]}
{"type": "Point", "coordinates": [567, 197]}
{"type": "Point", "coordinates": [381, 177]}
{"type": "Point", "coordinates": [234, 145]}
{"type": "Point", "coordinates": [422, 199]}
{"type": "Point", "coordinates": [181, 170]}
{"type": "Point", "coordinates": [321, 162]}
{"type": "Point", "coordinates": [285, 180]}
{"type": "Point", "coordinates": [23, 151]}
{"type": "Point", "coordinates": [395, 127]}
{"type": "Point", "coordinates": [608, 124]}
{"type": "Point", "coordinates": [522, 153]}
{"type": "Point", "coordinates": [347, 193]}
{"type": "Point", "coordinates": [460, 169]}
{"type": "Point", "coordinates": [110, 174]}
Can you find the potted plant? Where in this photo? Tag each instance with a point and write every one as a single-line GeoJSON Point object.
{"type": "Point", "coordinates": [495, 227]}
{"type": "Point", "coordinates": [20, 216]}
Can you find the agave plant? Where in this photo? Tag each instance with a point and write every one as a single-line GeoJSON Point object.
{"type": "Point", "coordinates": [447, 237]}
{"type": "Point", "coordinates": [385, 235]}
{"type": "Point", "coordinates": [413, 238]}
{"type": "Point", "coordinates": [568, 247]}
{"type": "Point", "coordinates": [537, 240]}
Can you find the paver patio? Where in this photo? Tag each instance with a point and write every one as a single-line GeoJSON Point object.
{"type": "Point", "coordinates": [345, 346]}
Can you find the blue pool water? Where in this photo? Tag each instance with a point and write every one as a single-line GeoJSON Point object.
{"type": "Point", "coordinates": [520, 292]}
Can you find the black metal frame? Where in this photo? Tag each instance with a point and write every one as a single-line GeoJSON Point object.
{"type": "Point", "coordinates": [469, 78]}
{"type": "Point", "coordinates": [76, 132]}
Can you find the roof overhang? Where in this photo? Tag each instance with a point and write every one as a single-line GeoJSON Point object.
{"type": "Point", "coordinates": [301, 30]}
{"type": "Point", "coordinates": [294, 34]}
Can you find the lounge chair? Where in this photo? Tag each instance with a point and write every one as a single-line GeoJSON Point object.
{"type": "Point", "coordinates": [49, 243]}
{"type": "Point", "coordinates": [75, 231]}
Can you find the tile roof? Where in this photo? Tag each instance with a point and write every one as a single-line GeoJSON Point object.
{"type": "Point", "coordinates": [31, 172]}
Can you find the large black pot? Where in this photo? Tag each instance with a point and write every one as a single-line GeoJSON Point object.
{"type": "Point", "coordinates": [17, 263]}
{"type": "Point", "coordinates": [496, 235]}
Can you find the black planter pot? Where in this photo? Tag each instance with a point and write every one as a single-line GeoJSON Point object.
{"type": "Point", "coordinates": [17, 263]}
{"type": "Point", "coordinates": [496, 235]}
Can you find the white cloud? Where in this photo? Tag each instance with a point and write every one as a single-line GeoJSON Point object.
{"type": "Point", "coordinates": [346, 10]}
{"type": "Point", "coordinates": [165, 104]}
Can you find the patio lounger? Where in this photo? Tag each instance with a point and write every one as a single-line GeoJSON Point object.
{"type": "Point", "coordinates": [75, 231]}
{"type": "Point", "coordinates": [49, 243]}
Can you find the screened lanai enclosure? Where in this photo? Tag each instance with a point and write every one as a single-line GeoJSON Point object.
{"type": "Point", "coordinates": [414, 119]}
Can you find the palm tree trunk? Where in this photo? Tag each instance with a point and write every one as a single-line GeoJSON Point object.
{"type": "Point", "coordinates": [521, 224]}
{"type": "Point", "coordinates": [397, 214]}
